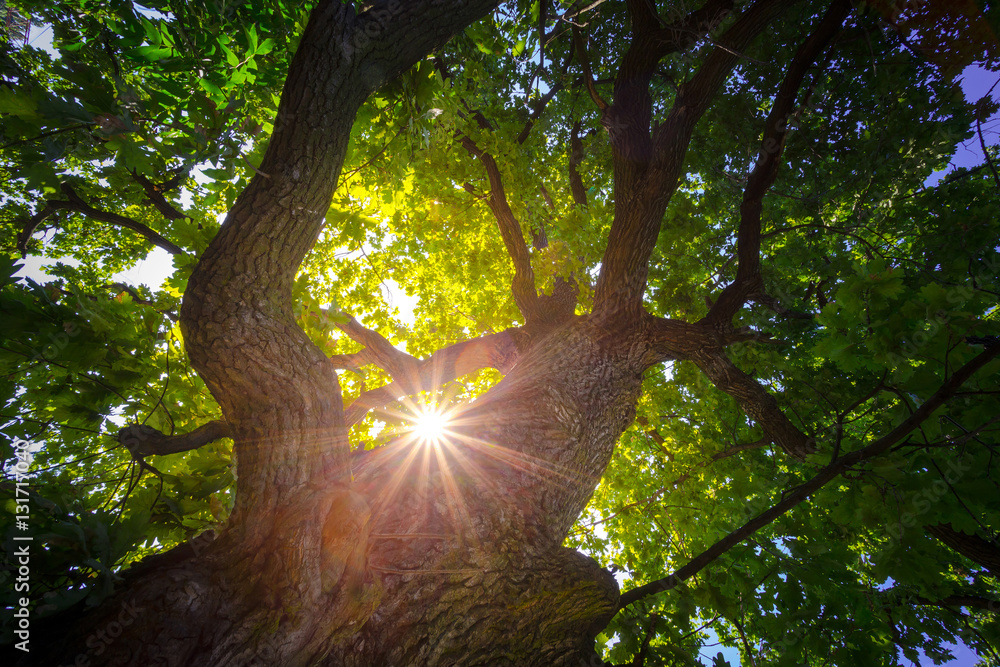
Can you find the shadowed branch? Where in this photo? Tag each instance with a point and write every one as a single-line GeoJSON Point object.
{"type": "Point", "coordinates": [75, 203]}
{"type": "Point", "coordinates": [575, 158]}
{"type": "Point", "coordinates": [956, 600]}
{"type": "Point", "coordinates": [142, 440]}
{"type": "Point", "coordinates": [759, 405]}
{"type": "Point", "coordinates": [523, 285]}
{"type": "Point", "coordinates": [748, 279]}
{"type": "Point", "coordinates": [804, 491]}
{"type": "Point", "coordinates": [647, 167]}
{"type": "Point", "coordinates": [973, 547]}
{"type": "Point", "coordinates": [155, 194]}
{"type": "Point", "coordinates": [539, 106]}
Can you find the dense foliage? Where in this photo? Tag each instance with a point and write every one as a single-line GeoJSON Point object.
{"type": "Point", "coordinates": [145, 122]}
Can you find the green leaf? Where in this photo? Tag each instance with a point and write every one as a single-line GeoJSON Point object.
{"type": "Point", "coordinates": [213, 91]}
{"type": "Point", "coordinates": [17, 104]}
{"type": "Point", "coordinates": [217, 174]}
{"type": "Point", "coordinates": [265, 47]}
{"type": "Point", "coordinates": [230, 56]}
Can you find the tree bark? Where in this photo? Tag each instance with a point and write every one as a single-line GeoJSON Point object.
{"type": "Point", "coordinates": [973, 547]}
{"type": "Point", "coordinates": [467, 537]}
{"type": "Point", "coordinates": [408, 555]}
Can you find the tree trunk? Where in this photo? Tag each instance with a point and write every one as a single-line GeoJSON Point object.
{"type": "Point", "coordinates": [466, 538]}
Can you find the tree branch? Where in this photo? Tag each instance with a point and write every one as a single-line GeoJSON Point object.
{"type": "Point", "coordinates": [142, 440]}
{"type": "Point", "coordinates": [972, 601]}
{"type": "Point", "coordinates": [156, 198]}
{"type": "Point", "coordinates": [75, 203]}
{"type": "Point", "coordinates": [802, 492]}
{"type": "Point", "coordinates": [773, 304]}
{"type": "Point", "coordinates": [43, 135]}
{"type": "Point", "coordinates": [647, 168]}
{"type": "Point", "coordinates": [138, 298]}
{"type": "Point", "coordinates": [963, 599]}
{"type": "Point", "coordinates": [759, 405]}
{"type": "Point", "coordinates": [973, 547]}
{"type": "Point", "coordinates": [628, 119]}
{"type": "Point", "coordinates": [588, 75]}
{"type": "Point", "coordinates": [575, 158]}
{"type": "Point", "coordinates": [736, 449]}
{"type": "Point", "coordinates": [239, 332]}
{"type": "Point", "coordinates": [523, 285]}
{"type": "Point", "coordinates": [675, 339]}
{"type": "Point", "coordinates": [539, 106]}
{"type": "Point", "coordinates": [377, 350]}
{"type": "Point", "coordinates": [748, 279]}
{"type": "Point", "coordinates": [29, 227]}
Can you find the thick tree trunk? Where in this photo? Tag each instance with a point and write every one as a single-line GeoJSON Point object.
{"type": "Point", "coordinates": [466, 537]}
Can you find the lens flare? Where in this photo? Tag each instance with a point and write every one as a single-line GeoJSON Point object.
{"type": "Point", "coordinates": [430, 426]}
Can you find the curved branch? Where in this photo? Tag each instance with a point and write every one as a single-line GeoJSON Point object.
{"type": "Point", "coordinates": [377, 350]}
{"type": "Point", "coordinates": [588, 75]}
{"type": "Point", "coordinates": [142, 440]}
{"type": "Point", "coordinates": [239, 331]}
{"type": "Point", "coordinates": [523, 285]}
{"type": "Point", "coordinates": [802, 492]}
{"type": "Point", "coordinates": [155, 194]}
{"type": "Point", "coordinates": [75, 203]}
{"type": "Point", "coordinates": [748, 279]}
{"type": "Point", "coordinates": [29, 227]}
{"type": "Point", "coordinates": [628, 119]}
{"type": "Point", "coordinates": [43, 135]}
{"type": "Point", "coordinates": [674, 339]}
{"type": "Point", "coordinates": [759, 405]}
{"type": "Point", "coordinates": [539, 106]}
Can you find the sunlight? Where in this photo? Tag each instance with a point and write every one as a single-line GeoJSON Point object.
{"type": "Point", "coordinates": [430, 426]}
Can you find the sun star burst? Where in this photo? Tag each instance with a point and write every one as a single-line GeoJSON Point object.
{"type": "Point", "coordinates": [430, 426]}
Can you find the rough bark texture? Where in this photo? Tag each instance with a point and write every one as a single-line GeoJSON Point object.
{"type": "Point", "coordinates": [142, 440]}
{"type": "Point", "coordinates": [286, 580]}
{"type": "Point", "coordinates": [469, 535]}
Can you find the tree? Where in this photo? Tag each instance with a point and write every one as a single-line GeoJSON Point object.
{"type": "Point", "coordinates": [744, 318]}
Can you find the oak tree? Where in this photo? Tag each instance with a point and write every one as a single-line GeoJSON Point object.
{"type": "Point", "coordinates": [716, 355]}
